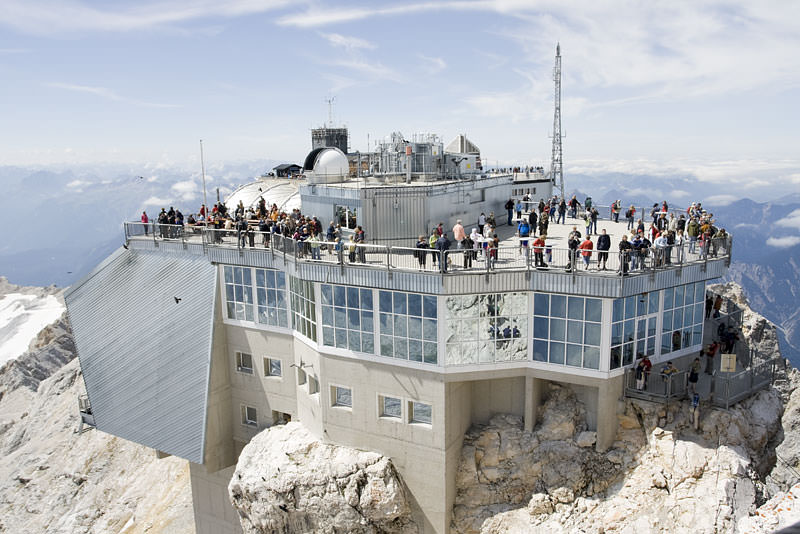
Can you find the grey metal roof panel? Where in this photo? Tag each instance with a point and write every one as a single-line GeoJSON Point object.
{"type": "Point", "coordinates": [145, 358]}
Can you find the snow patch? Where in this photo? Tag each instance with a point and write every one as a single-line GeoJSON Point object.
{"type": "Point", "coordinates": [22, 317]}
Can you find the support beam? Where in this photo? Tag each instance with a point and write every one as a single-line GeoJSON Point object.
{"type": "Point", "coordinates": [533, 398]}
{"type": "Point", "coordinates": [609, 393]}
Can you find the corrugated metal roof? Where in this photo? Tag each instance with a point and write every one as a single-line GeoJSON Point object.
{"type": "Point", "coordinates": [145, 357]}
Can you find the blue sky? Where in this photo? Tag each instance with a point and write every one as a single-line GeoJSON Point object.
{"type": "Point", "coordinates": [709, 88]}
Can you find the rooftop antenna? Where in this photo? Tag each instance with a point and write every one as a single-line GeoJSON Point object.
{"type": "Point", "coordinates": [557, 161]}
{"type": "Point", "coordinates": [203, 170]}
{"type": "Point", "coordinates": [330, 110]}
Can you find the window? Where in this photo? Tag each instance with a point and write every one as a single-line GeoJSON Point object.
{"type": "Point", "coordinates": [301, 377]}
{"type": "Point", "coordinates": [633, 328]}
{"type": "Point", "coordinates": [347, 319]}
{"type": "Point", "coordinates": [341, 397]}
{"type": "Point", "coordinates": [408, 326]}
{"type": "Point", "coordinates": [566, 330]}
{"type": "Point", "coordinates": [345, 215]}
{"type": "Point", "coordinates": [303, 307]}
{"type": "Point", "coordinates": [272, 367]}
{"type": "Point", "coordinates": [487, 328]}
{"type": "Point", "coordinates": [419, 412]}
{"type": "Point", "coordinates": [682, 321]}
{"type": "Point", "coordinates": [313, 385]}
{"type": "Point", "coordinates": [249, 416]}
{"type": "Point", "coordinates": [271, 297]}
{"type": "Point", "coordinates": [238, 293]}
{"type": "Point", "coordinates": [391, 407]}
{"type": "Point", "coordinates": [244, 363]}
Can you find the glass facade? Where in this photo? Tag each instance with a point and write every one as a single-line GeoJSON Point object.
{"type": "Point", "coordinates": [271, 297]}
{"type": "Point", "coordinates": [238, 293]}
{"type": "Point", "coordinates": [682, 322]}
{"type": "Point", "coordinates": [634, 328]}
{"type": "Point", "coordinates": [487, 328]}
{"type": "Point", "coordinates": [347, 319]}
{"type": "Point", "coordinates": [303, 307]}
{"type": "Point", "coordinates": [408, 326]}
{"type": "Point", "coordinates": [566, 330]}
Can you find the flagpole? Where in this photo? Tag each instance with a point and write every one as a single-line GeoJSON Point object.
{"type": "Point", "coordinates": [203, 170]}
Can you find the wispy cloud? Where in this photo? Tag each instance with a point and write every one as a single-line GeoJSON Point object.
{"type": "Point", "coordinates": [784, 242]}
{"type": "Point", "coordinates": [432, 65]}
{"type": "Point", "coordinates": [74, 16]}
{"type": "Point", "coordinates": [108, 94]}
{"type": "Point", "coordinates": [720, 200]}
{"type": "Point", "coordinates": [790, 221]}
{"type": "Point", "coordinates": [347, 42]}
{"type": "Point", "coordinates": [317, 16]}
{"type": "Point", "coordinates": [372, 70]}
{"type": "Point", "coordinates": [13, 51]}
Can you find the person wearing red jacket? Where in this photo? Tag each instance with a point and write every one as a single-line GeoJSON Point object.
{"type": "Point", "coordinates": [538, 251]}
{"type": "Point", "coordinates": [586, 251]}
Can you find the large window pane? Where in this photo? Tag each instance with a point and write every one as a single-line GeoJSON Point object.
{"type": "Point", "coordinates": [575, 331]}
{"type": "Point", "coordinates": [591, 357]}
{"type": "Point", "coordinates": [591, 334]}
{"type": "Point", "coordinates": [540, 329]}
{"type": "Point", "coordinates": [594, 310]}
{"type": "Point", "coordinates": [556, 352]}
{"type": "Point", "coordinates": [574, 355]}
{"type": "Point", "coordinates": [558, 329]}
{"type": "Point", "coordinates": [576, 308]}
{"type": "Point", "coordinates": [541, 304]}
{"type": "Point", "coordinates": [558, 306]}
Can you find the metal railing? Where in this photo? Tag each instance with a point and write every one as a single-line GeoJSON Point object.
{"type": "Point", "coordinates": [509, 256]}
{"type": "Point", "coordinates": [728, 389]}
{"type": "Point", "coordinates": [657, 387]}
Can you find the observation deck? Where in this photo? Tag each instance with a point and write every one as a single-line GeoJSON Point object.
{"type": "Point", "coordinates": [399, 267]}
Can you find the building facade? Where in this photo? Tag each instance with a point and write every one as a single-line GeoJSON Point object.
{"type": "Point", "coordinates": [192, 347]}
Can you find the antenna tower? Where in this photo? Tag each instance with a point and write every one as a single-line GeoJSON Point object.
{"type": "Point", "coordinates": [557, 162]}
{"type": "Point", "coordinates": [330, 111]}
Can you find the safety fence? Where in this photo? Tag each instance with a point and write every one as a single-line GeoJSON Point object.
{"type": "Point", "coordinates": [518, 254]}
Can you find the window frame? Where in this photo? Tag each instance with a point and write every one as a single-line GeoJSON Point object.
{"type": "Point", "coordinates": [334, 399]}
{"type": "Point", "coordinates": [268, 367]}
{"type": "Point", "coordinates": [240, 367]}
{"type": "Point", "coordinates": [245, 420]}
{"type": "Point", "coordinates": [412, 420]}
{"type": "Point", "coordinates": [383, 414]}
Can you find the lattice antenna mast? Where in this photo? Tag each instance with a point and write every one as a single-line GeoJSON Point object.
{"type": "Point", "coordinates": [557, 162]}
{"type": "Point", "coordinates": [330, 110]}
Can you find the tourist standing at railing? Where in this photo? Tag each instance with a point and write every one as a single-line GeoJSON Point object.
{"type": "Point", "coordinates": [586, 251]}
{"type": "Point", "coordinates": [524, 232]}
{"type": "Point", "coordinates": [330, 237]}
{"type": "Point", "coordinates": [720, 238]}
{"type": "Point", "coordinates": [630, 214]}
{"type": "Point", "coordinates": [351, 249]}
{"type": "Point", "coordinates": [636, 245]}
{"type": "Point", "coordinates": [162, 223]}
{"type": "Point", "coordinates": [469, 251]}
{"type": "Point", "coordinates": [717, 306]}
{"type": "Point", "coordinates": [692, 231]}
{"type": "Point", "coordinates": [265, 230]}
{"type": "Point", "coordinates": [432, 245]}
{"type": "Point", "coordinates": [361, 239]}
{"type": "Point", "coordinates": [573, 242]}
{"type": "Point", "coordinates": [443, 245]}
{"type": "Point", "coordinates": [616, 207]}
{"type": "Point", "coordinates": [422, 251]}
{"type": "Point", "coordinates": [660, 249]}
{"type": "Point", "coordinates": [640, 376]}
{"type": "Point", "coordinates": [562, 212]}
{"type": "Point", "coordinates": [476, 239]}
{"type": "Point", "coordinates": [459, 234]}
{"type": "Point", "coordinates": [711, 352]}
{"type": "Point", "coordinates": [603, 246]}
{"type": "Point", "coordinates": [145, 221]}
{"type": "Point", "coordinates": [667, 372]}
{"type": "Point", "coordinates": [532, 219]}
{"type": "Point", "coordinates": [314, 243]}
{"type": "Point", "coordinates": [203, 212]}
{"type": "Point", "coordinates": [494, 244]}
{"type": "Point", "coordinates": [625, 254]}
{"type": "Point", "coordinates": [538, 251]}
{"type": "Point", "coordinates": [518, 209]}
{"type": "Point", "coordinates": [481, 222]}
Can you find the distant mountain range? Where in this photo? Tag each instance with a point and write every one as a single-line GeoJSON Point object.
{"type": "Point", "coordinates": [62, 222]}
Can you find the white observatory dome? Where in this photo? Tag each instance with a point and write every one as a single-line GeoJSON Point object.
{"type": "Point", "coordinates": [326, 165]}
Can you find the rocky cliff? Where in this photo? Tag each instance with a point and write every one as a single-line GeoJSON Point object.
{"type": "Point", "coordinates": [54, 480]}
{"type": "Point", "coordinates": [286, 481]}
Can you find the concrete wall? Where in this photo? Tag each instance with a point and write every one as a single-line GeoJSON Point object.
{"type": "Point", "coordinates": [213, 512]}
{"type": "Point", "coordinates": [499, 395]}
{"type": "Point", "coordinates": [263, 393]}
{"type": "Point", "coordinates": [417, 450]}
{"type": "Point", "coordinates": [458, 420]}
{"type": "Point", "coordinates": [219, 448]}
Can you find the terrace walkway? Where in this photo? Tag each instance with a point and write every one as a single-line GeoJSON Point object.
{"type": "Point", "coordinates": [510, 255]}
